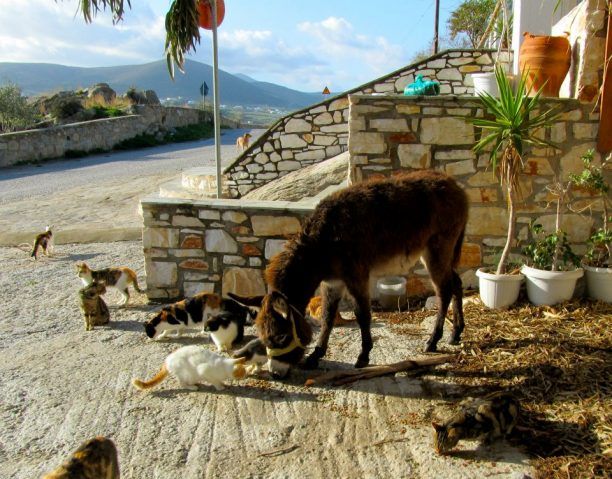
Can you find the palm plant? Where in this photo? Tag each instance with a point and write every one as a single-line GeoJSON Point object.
{"type": "Point", "coordinates": [511, 124]}
{"type": "Point", "coordinates": [182, 33]}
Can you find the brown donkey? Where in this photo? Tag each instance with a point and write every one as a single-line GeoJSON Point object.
{"type": "Point", "coordinates": [420, 214]}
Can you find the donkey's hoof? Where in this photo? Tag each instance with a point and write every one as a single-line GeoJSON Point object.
{"type": "Point", "coordinates": [430, 348]}
{"type": "Point", "coordinates": [362, 362]}
{"type": "Point", "coordinates": [453, 341]}
{"type": "Point", "coordinates": [312, 362]}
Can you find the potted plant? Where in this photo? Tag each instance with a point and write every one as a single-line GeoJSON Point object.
{"type": "Point", "coordinates": [512, 124]}
{"type": "Point", "coordinates": [597, 261]}
{"type": "Point", "coordinates": [554, 270]}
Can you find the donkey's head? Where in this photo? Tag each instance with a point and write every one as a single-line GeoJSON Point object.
{"type": "Point", "coordinates": [282, 328]}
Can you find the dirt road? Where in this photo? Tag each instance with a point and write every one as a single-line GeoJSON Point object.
{"type": "Point", "coordinates": [60, 385]}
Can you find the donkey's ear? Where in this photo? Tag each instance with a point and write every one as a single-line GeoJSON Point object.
{"type": "Point", "coordinates": [247, 300]}
{"type": "Point", "coordinates": [280, 305]}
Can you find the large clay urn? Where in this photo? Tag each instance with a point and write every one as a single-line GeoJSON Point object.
{"type": "Point", "coordinates": [546, 60]}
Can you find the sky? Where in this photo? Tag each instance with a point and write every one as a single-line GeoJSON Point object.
{"type": "Point", "coordinates": [304, 45]}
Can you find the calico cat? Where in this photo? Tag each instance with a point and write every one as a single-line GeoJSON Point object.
{"type": "Point", "coordinates": [193, 365]}
{"type": "Point", "coordinates": [313, 309]}
{"type": "Point", "coordinates": [43, 241]}
{"type": "Point", "coordinates": [93, 308]}
{"type": "Point", "coordinates": [491, 417]}
{"type": "Point", "coordinates": [192, 313]}
{"type": "Point", "coordinates": [119, 278]}
{"type": "Point", "coordinates": [94, 459]}
{"type": "Point", "coordinates": [255, 355]}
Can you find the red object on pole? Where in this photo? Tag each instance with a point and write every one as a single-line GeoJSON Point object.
{"type": "Point", "coordinates": [205, 13]}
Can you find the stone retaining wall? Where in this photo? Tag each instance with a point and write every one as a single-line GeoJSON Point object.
{"type": "Point", "coordinates": [319, 132]}
{"type": "Point", "coordinates": [104, 134]}
{"type": "Point", "coordinates": [213, 245]}
{"type": "Point", "coordinates": [393, 134]}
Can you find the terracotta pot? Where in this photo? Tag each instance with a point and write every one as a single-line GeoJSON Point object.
{"type": "Point", "coordinates": [205, 13]}
{"type": "Point", "coordinates": [546, 60]}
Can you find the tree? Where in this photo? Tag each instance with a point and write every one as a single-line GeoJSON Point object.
{"type": "Point", "coordinates": [15, 111]}
{"type": "Point", "coordinates": [182, 32]}
{"type": "Point", "coordinates": [471, 19]}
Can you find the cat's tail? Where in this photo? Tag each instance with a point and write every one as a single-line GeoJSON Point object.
{"type": "Point", "coordinates": [239, 369]}
{"type": "Point", "coordinates": [154, 381]}
{"type": "Point", "coordinates": [134, 278]}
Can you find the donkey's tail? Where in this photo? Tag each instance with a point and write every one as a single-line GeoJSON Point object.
{"type": "Point", "coordinates": [457, 250]}
{"type": "Point", "coordinates": [154, 381]}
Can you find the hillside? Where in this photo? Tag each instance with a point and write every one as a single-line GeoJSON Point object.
{"type": "Point", "coordinates": [36, 78]}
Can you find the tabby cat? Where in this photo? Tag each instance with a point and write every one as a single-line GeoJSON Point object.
{"type": "Point", "coordinates": [193, 365]}
{"type": "Point", "coordinates": [119, 278]}
{"type": "Point", "coordinates": [490, 417]}
{"type": "Point", "coordinates": [43, 241]}
{"type": "Point", "coordinates": [93, 308]}
{"type": "Point", "coordinates": [95, 459]}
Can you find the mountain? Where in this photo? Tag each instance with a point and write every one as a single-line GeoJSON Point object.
{"type": "Point", "coordinates": [37, 78]}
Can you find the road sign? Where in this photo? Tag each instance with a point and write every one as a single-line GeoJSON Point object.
{"type": "Point", "coordinates": [204, 89]}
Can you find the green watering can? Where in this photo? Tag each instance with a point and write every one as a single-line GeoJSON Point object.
{"type": "Point", "coordinates": [420, 87]}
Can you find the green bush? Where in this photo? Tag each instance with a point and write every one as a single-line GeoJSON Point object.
{"type": "Point", "coordinates": [15, 112]}
{"type": "Point", "coordinates": [65, 108]}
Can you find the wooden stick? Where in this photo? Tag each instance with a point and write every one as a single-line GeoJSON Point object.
{"type": "Point", "coordinates": [279, 450]}
{"type": "Point", "coordinates": [415, 366]}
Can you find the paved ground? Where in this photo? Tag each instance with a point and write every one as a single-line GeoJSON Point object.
{"type": "Point", "coordinates": [96, 198]}
{"type": "Point", "coordinates": [60, 385]}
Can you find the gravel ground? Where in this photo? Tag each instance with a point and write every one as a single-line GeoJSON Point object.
{"type": "Point", "coordinates": [60, 385]}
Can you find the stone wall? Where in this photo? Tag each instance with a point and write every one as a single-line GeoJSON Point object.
{"type": "Point", "coordinates": [104, 134]}
{"type": "Point", "coordinates": [321, 131]}
{"type": "Point", "coordinates": [213, 245]}
{"type": "Point", "coordinates": [399, 133]}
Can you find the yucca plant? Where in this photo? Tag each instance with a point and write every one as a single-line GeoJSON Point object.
{"type": "Point", "coordinates": [510, 124]}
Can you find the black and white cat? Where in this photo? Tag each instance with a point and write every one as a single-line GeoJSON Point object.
{"type": "Point", "coordinates": [255, 355]}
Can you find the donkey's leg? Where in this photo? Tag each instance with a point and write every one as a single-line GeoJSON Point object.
{"type": "Point", "coordinates": [458, 323]}
{"type": "Point", "coordinates": [438, 259]}
{"type": "Point", "coordinates": [361, 295]}
{"type": "Point", "coordinates": [330, 298]}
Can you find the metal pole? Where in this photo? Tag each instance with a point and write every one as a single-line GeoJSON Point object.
{"type": "Point", "coordinates": [437, 20]}
{"type": "Point", "coordinates": [217, 125]}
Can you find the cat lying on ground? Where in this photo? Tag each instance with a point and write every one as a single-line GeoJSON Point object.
{"type": "Point", "coordinates": [193, 365]}
{"type": "Point", "coordinates": [94, 459]}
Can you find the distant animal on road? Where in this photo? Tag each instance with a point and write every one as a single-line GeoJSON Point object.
{"type": "Point", "coordinates": [242, 143]}
{"type": "Point", "coordinates": [94, 459]}
{"type": "Point", "coordinates": [43, 241]}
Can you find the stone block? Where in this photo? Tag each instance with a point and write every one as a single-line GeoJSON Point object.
{"type": "Point", "coordinates": [288, 165]}
{"type": "Point", "coordinates": [219, 241]}
{"type": "Point", "coordinates": [471, 255]}
{"type": "Point", "coordinates": [275, 225]}
{"type": "Point", "coordinates": [191, 288]}
{"type": "Point", "coordinates": [161, 274]}
{"type": "Point", "coordinates": [389, 124]}
{"type": "Point", "coordinates": [455, 155]}
{"type": "Point", "coordinates": [292, 141]}
{"type": "Point", "coordinates": [458, 168]}
{"type": "Point", "coordinates": [446, 131]}
{"type": "Point", "coordinates": [234, 260]}
{"type": "Point", "coordinates": [243, 281]}
{"type": "Point", "coordinates": [297, 125]}
{"type": "Point", "coordinates": [487, 220]}
{"type": "Point", "coordinates": [339, 104]}
{"type": "Point", "coordinates": [482, 195]}
{"type": "Point", "coordinates": [250, 250]}
{"type": "Point", "coordinates": [585, 131]}
{"type": "Point", "coordinates": [324, 140]}
{"type": "Point", "coordinates": [439, 63]}
{"type": "Point", "coordinates": [449, 74]}
{"type": "Point", "coordinates": [578, 228]}
{"type": "Point", "coordinates": [255, 262]}
{"type": "Point", "coordinates": [483, 178]}
{"type": "Point", "coordinates": [367, 142]}
{"type": "Point", "coordinates": [414, 156]}
{"type": "Point", "coordinates": [323, 119]}
{"type": "Point", "coordinates": [261, 158]}
{"type": "Point", "coordinates": [273, 247]}
{"type": "Point", "coordinates": [192, 242]}
{"type": "Point", "coordinates": [408, 109]}
{"type": "Point", "coordinates": [160, 238]}
{"type": "Point", "coordinates": [234, 217]}
{"type": "Point", "coordinates": [384, 88]}
{"type": "Point", "coordinates": [254, 168]}
{"type": "Point", "coordinates": [197, 264]}
{"type": "Point", "coordinates": [538, 167]}
{"type": "Point", "coordinates": [189, 221]}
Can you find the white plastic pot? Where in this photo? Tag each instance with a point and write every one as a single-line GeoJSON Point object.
{"type": "Point", "coordinates": [499, 291]}
{"type": "Point", "coordinates": [599, 283]}
{"type": "Point", "coordinates": [485, 82]}
{"type": "Point", "coordinates": [391, 292]}
{"type": "Point", "coordinates": [550, 287]}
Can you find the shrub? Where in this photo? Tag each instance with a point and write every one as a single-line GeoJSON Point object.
{"type": "Point", "coordinates": [15, 112]}
{"type": "Point", "coordinates": [65, 108]}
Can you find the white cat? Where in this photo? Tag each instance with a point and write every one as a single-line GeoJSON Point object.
{"type": "Point", "coordinates": [193, 365]}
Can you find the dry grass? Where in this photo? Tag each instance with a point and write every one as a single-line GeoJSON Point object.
{"type": "Point", "coordinates": [99, 101]}
{"type": "Point", "coordinates": [558, 362]}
